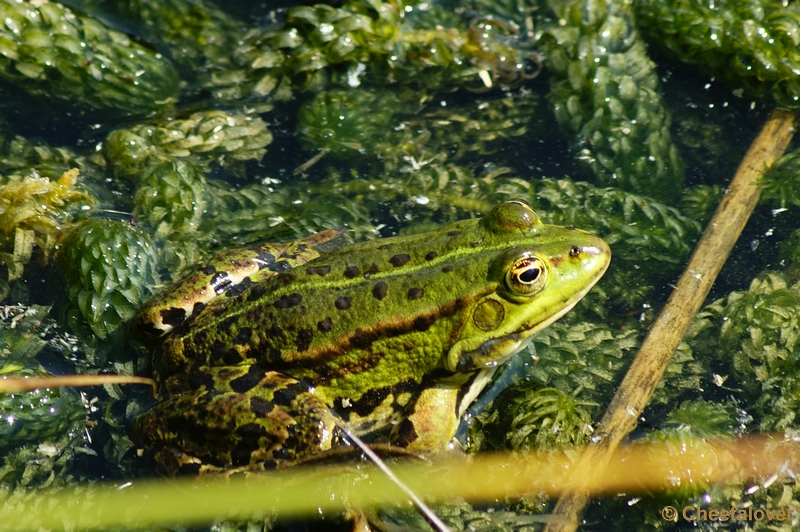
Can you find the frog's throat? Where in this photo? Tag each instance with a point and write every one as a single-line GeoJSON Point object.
{"type": "Point", "coordinates": [496, 351]}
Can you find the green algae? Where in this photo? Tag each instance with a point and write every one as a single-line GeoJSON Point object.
{"type": "Point", "coordinates": [110, 270]}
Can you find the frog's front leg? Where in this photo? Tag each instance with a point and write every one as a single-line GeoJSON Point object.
{"type": "Point", "coordinates": [244, 418]}
{"type": "Point", "coordinates": [432, 418]}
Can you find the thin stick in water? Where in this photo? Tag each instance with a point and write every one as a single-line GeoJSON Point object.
{"type": "Point", "coordinates": [671, 324]}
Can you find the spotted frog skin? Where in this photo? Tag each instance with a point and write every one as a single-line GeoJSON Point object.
{"type": "Point", "coordinates": [393, 337]}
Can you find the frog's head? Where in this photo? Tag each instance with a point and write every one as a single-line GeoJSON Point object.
{"type": "Point", "coordinates": [541, 271]}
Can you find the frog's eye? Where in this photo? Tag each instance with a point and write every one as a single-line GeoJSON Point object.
{"type": "Point", "coordinates": [527, 276]}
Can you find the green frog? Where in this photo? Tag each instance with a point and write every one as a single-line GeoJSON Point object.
{"type": "Point", "coordinates": [391, 338]}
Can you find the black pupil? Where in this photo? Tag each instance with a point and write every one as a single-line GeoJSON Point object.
{"type": "Point", "coordinates": [529, 275]}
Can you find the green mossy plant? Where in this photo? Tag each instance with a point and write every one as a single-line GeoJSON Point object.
{"type": "Point", "coordinates": [755, 332]}
{"type": "Point", "coordinates": [342, 121]}
{"type": "Point", "coordinates": [605, 93]}
{"type": "Point", "coordinates": [33, 210]}
{"type": "Point", "coordinates": [371, 40]}
{"type": "Point", "coordinates": [205, 137]}
{"type": "Point", "coordinates": [195, 34]}
{"type": "Point", "coordinates": [752, 45]}
{"type": "Point", "coordinates": [41, 430]}
{"type": "Point", "coordinates": [52, 52]}
{"type": "Point", "coordinates": [110, 268]}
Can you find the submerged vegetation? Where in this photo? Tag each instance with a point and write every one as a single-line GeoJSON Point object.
{"type": "Point", "coordinates": [174, 129]}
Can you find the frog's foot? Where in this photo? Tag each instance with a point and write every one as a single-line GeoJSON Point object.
{"type": "Point", "coordinates": [178, 463]}
{"type": "Point", "coordinates": [248, 418]}
{"type": "Point", "coordinates": [346, 453]}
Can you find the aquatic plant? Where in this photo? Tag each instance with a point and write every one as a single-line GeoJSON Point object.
{"type": "Point", "coordinates": [32, 212]}
{"type": "Point", "coordinates": [755, 332]}
{"type": "Point", "coordinates": [40, 430]}
{"type": "Point", "coordinates": [781, 182]}
{"type": "Point", "coordinates": [342, 121]}
{"type": "Point", "coordinates": [371, 40]}
{"type": "Point", "coordinates": [605, 93]}
{"type": "Point", "coordinates": [205, 137]}
{"type": "Point", "coordinates": [752, 45]}
{"type": "Point", "coordinates": [50, 51]}
{"type": "Point", "coordinates": [110, 268]}
{"type": "Point", "coordinates": [195, 34]}
{"type": "Point", "coordinates": [578, 365]}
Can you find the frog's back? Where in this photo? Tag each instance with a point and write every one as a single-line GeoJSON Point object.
{"type": "Point", "coordinates": [373, 304]}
